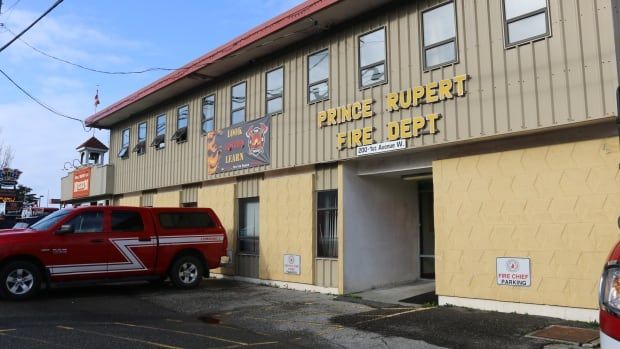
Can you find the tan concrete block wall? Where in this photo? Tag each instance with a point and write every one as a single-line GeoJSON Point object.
{"type": "Point", "coordinates": [287, 226]}
{"type": "Point", "coordinates": [557, 205]}
{"type": "Point", "coordinates": [129, 200]}
{"type": "Point", "coordinates": [170, 198]}
{"type": "Point", "coordinates": [221, 198]}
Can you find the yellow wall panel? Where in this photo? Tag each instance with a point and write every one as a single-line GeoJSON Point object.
{"type": "Point", "coordinates": [170, 198]}
{"type": "Point", "coordinates": [287, 226]}
{"type": "Point", "coordinates": [129, 200]}
{"type": "Point", "coordinates": [557, 205]}
{"type": "Point", "coordinates": [221, 198]}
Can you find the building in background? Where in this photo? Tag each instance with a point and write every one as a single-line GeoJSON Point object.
{"type": "Point", "coordinates": [350, 144]}
{"type": "Point", "coordinates": [92, 180]}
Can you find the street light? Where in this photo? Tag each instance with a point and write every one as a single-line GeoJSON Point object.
{"type": "Point", "coordinates": [39, 203]}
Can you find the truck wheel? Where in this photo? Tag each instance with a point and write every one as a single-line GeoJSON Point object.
{"type": "Point", "coordinates": [20, 280]}
{"type": "Point", "coordinates": [186, 272]}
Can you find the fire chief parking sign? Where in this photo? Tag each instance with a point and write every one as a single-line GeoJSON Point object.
{"type": "Point", "coordinates": [514, 271]}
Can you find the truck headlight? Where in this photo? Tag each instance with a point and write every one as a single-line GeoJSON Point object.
{"type": "Point", "coordinates": [610, 289]}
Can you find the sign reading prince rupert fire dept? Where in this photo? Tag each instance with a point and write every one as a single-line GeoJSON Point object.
{"type": "Point", "coordinates": [239, 146]}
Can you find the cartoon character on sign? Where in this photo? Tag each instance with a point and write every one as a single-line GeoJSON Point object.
{"type": "Point", "coordinates": [256, 137]}
{"type": "Point", "coordinates": [213, 153]}
{"type": "Point", "coordinates": [512, 265]}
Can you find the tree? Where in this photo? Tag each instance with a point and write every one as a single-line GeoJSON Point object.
{"type": "Point", "coordinates": [6, 154]}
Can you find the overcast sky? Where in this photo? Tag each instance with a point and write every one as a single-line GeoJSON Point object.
{"type": "Point", "coordinates": [111, 35]}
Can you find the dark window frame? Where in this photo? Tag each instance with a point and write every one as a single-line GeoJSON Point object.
{"type": "Point", "coordinates": [309, 85]}
{"type": "Point", "coordinates": [159, 141]}
{"type": "Point", "coordinates": [180, 135]}
{"type": "Point", "coordinates": [252, 241]}
{"type": "Point", "coordinates": [267, 98]}
{"type": "Point", "coordinates": [185, 218]}
{"type": "Point", "coordinates": [545, 10]}
{"type": "Point", "coordinates": [245, 102]}
{"type": "Point", "coordinates": [123, 153]}
{"type": "Point", "coordinates": [334, 211]}
{"type": "Point", "coordinates": [203, 118]}
{"type": "Point", "coordinates": [138, 214]}
{"type": "Point", "coordinates": [375, 64]}
{"type": "Point", "coordinates": [440, 43]}
{"type": "Point", "coordinates": [140, 147]}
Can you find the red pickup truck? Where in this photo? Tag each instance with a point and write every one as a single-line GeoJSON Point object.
{"type": "Point", "coordinates": [110, 244]}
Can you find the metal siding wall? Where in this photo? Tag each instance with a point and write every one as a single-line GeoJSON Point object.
{"type": "Point", "coordinates": [146, 200]}
{"type": "Point", "coordinates": [247, 265]}
{"type": "Point", "coordinates": [189, 193]}
{"type": "Point", "coordinates": [66, 187]}
{"type": "Point", "coordinates": [326, 272]}
{"type": "Point", "coordinates": [327, 177]}
{"type": "Point", "coordinates": [247, 187]}
{"type": "Point", "coordinates": [569, 77]}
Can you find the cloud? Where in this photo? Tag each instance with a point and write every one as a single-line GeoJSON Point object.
{"type": "Point", "coordinates": [43, 142]}
{"type": "Point", "coordinates": [66, 38]}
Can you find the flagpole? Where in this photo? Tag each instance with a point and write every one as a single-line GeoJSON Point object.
{"type": "Point", "coordinates": [96, 99]}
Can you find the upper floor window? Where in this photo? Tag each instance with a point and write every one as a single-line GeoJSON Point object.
{"type": "Point", "coordinates": [372, 58]}
{"type": "Point", "coordinates": [140, 147]}
{"type": "Point", "coordinates": [237, 102]}
{"type": "Point", "coordinates": [124, 151]}
{"type": "Point", "coordinates": [159, 142]}
{"type": "Point", "coordinates": [318, 76]}
{"type": "Point", "coordinates": [439, 31]}
{"type": "Point", "coordinates": [274, 91]}
{"type": "Point", "coordinates": [181, 133]}
{"type": "Point", "coordinates": [525, 20]}
{"type": "Point", "coordinates": [208, 114]}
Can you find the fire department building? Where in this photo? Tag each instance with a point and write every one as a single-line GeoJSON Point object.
{"type": "Point", "coordinates": [349, 144]}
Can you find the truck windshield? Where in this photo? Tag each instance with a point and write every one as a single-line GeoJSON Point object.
{"type": "Point", "coordinates": [50, 220]}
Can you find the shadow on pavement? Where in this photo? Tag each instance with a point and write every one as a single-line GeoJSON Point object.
{"type": "Point", "coordinates": [455, 327]}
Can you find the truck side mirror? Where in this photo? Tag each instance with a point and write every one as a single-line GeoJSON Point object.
{"type": "Point", "coordinates": [65, 229]}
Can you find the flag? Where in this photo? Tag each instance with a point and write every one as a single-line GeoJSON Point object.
{"type": "Point", "coordinates": [97, 98]}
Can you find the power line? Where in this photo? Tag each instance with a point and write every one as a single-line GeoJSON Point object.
{"type": "Point", "coordinates": [31, 25]}
{"type": "Point", "coordinates": [88, 68]}
{"type": "Point", "coordinates": [41, 103]}
{"type": "Point", "coordinates": [9, 12]}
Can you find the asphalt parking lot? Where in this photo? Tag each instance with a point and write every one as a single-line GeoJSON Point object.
{"type": "Point", "coordinates": [218, 314]}
{"type": "Point", "coordinates": [230, 314]}
{"type": "Point", "coordinates": [116, 317]}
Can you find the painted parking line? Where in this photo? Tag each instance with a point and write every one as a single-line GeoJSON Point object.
{"type": "Point", "coordinates": [183, 332]}
{"type": "Point", "coordinates": [392, 315]}
{"type": "Point", "coordinates": [7, 330]}
{"type": "Point", "coordinates": [249, 345]}
{"type": "Point", "coordinates": [313, 323]}
{"type": "Point", "coordinates": [40, 342]}
{"type": "Point", "coordinates": [136, 340]}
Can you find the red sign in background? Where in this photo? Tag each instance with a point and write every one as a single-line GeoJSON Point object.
{"type": "Point", "coordinates": [81, 182]}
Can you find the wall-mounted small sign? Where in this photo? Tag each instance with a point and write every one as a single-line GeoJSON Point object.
{"type": "Point", "coordinates": [381, 147]}
{"type": "Point", "coordinates": [514, 271]}
{"type": "Point", "coordinates": [292, 263]}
